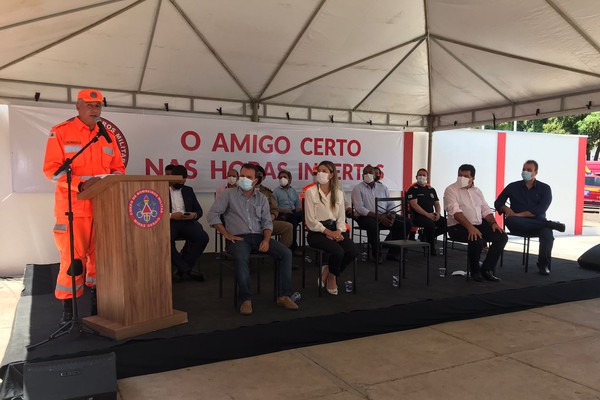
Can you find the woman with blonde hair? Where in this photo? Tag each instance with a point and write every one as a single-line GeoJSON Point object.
{"type": "Point", "coordinates": [325, 220]}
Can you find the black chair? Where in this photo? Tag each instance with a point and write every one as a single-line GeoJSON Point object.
{"type": "Point", "coordinates": [256, 260]}
{"type": "Point", "coordinates": [399, 209]}
{"type": "Point", "coordinates": [360, 233]}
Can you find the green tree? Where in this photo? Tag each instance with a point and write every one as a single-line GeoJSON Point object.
{"type": "Point", "coordinates": [590, 126]}
{"type": "Point", "coordinates": [563, 125]}
{"type": "Point", "coordinates": [536, 125]}
{"type": "Point", "coordinates": [502, 126]}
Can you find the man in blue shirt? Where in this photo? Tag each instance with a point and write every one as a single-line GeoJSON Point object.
{"type": "Point", "coordinates": [529, 200]}
{"type": "Point", "coordinates": [245, 213]}
{"type": "Point", "coordinates": [363, 200]}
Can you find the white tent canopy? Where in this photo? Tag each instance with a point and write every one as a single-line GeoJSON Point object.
{"type": "Point", "coordinates": [429, 64]}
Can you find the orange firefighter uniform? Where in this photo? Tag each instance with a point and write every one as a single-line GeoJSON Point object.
{"type": "Point", "coordinates": [100, 158]}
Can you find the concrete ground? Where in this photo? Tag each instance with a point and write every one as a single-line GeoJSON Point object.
{"type": "Point", "coordinates": [544, 353]}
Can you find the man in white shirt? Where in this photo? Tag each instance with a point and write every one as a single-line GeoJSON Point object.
{"type": "Point", "coordinates": [471, 220]}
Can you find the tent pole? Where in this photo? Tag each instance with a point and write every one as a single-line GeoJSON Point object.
{"type": "Point", "coordinates": [429, 142]}
{"type": "Point", "coordinates": [254, 105]}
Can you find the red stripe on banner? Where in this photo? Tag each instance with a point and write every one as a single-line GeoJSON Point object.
{"type": "Point", "coordinates": [407, 164]}
{"type": "Point", "coordinates": [580, 185]}
{"type": "Point", "coordinates": [500, 168]}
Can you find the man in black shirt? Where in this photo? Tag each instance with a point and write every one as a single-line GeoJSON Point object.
{"type": "Point", "coordinates": [424, 206]}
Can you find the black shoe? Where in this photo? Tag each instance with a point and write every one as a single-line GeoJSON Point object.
{"type": "Point", "coordinates": [196, 276]}
{"type": "Point", "coordinates": [67, 314]}
{"type": "Point", "coordinates": [476, 277]}
{"type": "Point", "coordinates": [544, 270]}
{"type": "Point", "coordinates": [94, 302]}
{"type": "Point", "coordinates": [177, 276]}
{"type": "Point", "coordinates": [557, 226]}
{"type": "Point", "coordinates": [489, 275]}
{"type": "Point", "coordinates": [66, 318]}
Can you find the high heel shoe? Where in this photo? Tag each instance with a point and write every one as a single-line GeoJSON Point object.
{"type": "Point", "coordinates": [332, 291]}
{"type": "Point", "coordinates": [323, 281]}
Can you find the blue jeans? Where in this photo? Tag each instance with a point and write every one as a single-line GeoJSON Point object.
{"type": "Point", "coordinates": [241, 250]}
{"type": "Point", "coordinates": [534, 227]}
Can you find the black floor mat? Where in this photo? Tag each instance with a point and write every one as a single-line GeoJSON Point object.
{"type": "Point", "coordinates": [217, 332]}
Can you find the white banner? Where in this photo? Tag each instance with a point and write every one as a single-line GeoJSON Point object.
{"type": "Point", "coordinates": [208, 148]}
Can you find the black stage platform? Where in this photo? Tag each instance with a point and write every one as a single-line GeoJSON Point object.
{"type": "Point", "coordinates": [216, 331]}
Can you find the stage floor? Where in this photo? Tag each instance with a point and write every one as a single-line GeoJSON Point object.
{"type": "Point", "coordinates": [217, 332]}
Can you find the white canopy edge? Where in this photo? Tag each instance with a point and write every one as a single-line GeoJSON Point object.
{"type": "Point", "coordinates": [568, 104]}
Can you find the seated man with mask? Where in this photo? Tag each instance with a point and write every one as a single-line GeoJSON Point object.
{"type": "Point", "coordinates": [471, 221]}
{"type": "Point", "coordinates": [363, 200]}
{"type": "Point", "coordinates": [526, 215]}
{"type": "Point", "coordinates": [425, 209]}
{"type": "Point", "coordinates": [282, 229]}
{"type": "Point", "coordinates": [232, 177]}
{"type": "Point", "coordinates": [242, 216]}
{"type": "Point", "coordinates": [185, 213]}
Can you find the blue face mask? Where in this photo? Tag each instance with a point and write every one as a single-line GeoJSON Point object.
{"type": "Point", "coordinates": [244, 183]}
{"type": "Point", "coordinates": [526, 175]}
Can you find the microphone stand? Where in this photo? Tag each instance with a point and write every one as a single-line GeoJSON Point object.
{"type": "Point", "coordinates": [74, 325]}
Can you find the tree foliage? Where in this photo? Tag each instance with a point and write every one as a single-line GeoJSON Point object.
{"type": "Point", "coordinates": [590, 126]}
{"type": "Point", "coordinates": [583, 124]}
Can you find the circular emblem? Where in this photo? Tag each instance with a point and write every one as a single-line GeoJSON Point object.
{"type": "Point", "coordinates": [119, 137]}
{"type": "Point", "coordinates": [146, 208]}
{"type": "Point", "coordinates": [431, 194]}
{"type": "Point", "coordinates": [93, 95]}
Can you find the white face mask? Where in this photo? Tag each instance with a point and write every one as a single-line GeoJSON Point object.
{"type": "Point", "coordinates": [463, 181]}
{"type": "Point", "coordinates": [368, 178]}
{"type": "Point", "coordinates": [421, 180]}
{"type": "Point", "coordinates": [231, 180]}
{"type": "Point", "coordinates": [322, 177]}
{"type": "Point", "coordinates": [283, 182]}
{"type": "Point", "coordinates": [526, 175]}
{"type": "Point", "coordinates": [245, 183]}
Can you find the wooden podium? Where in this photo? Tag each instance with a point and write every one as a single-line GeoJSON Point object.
{"type": "Point", "coordinates": [133, 255]}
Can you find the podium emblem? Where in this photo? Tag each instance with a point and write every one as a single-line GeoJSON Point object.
{"type": "Point", "coordinates": [146, 208]}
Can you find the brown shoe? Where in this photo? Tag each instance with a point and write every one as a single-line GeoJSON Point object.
{"type": "Point", "coordinates": [287, 303]}
{"type": "Point", "coordinates": [246, 307]}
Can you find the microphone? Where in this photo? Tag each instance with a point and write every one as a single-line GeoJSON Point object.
{"type": "Point", "coordinates": [102, 131]}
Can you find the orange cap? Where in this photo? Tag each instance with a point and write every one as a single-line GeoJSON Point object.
{"type": "Point", "coordinates": [90, 95]}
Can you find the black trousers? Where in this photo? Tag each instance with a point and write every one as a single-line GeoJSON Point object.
{"type": "Point", "coordinates": [397, 230]}
{"type": "Point", "coordinates": [432, 229]}
{"type": "Point", "coordinates": [293, 218]}
{"type": "Point", "coordinates": [341, 254]}
{"type": "Point", "coordinates": [196, 240]}
{"type": "Point", "coordinates": [474, 247]}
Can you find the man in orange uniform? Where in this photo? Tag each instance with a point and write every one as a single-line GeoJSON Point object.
{"type": "Point", "coordinates": [65, 140]}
